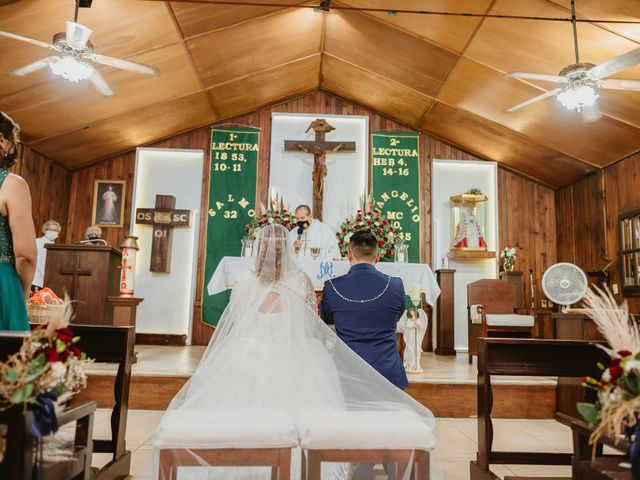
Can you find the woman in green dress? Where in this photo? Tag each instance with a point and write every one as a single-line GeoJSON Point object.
{"type": "Point", "coordinates": [17, 234]}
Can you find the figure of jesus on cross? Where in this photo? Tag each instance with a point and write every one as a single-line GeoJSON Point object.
{"type": "Point", "coordinates": [319, 148]}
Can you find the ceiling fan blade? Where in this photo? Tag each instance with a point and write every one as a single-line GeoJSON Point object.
{"type": "Point", "coordinates": [620, 84]}
{"type": "Point", "coordinates": [548, 94]}
{"type": "Point", "coordinates": [99, 83]}
{"type": "Point", "coordinates": [32, 67]}
{"type": "Point", "coordinates": [126, 65]}
{"type": "Point", "coordinates": [590, 114]}
{"type": "Point", "coordinates": [537, 76]}
{"type": "Point", "coordinates": [32, 41]}
{"type": "Point", "coordinates": [615, 65]}
{"type": "Point", "coordinates": [77, 34]}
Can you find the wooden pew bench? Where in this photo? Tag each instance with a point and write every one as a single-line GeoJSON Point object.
{"type": "Point", "coordinates": [106, 344]}
{"type": "Point", "coordinates": [525, 357]}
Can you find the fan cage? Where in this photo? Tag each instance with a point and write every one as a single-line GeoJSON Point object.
{"type": "Point", "coordinates": [564, 283]}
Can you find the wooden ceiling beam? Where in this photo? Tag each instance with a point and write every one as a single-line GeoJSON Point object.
{"type": "Point", "coordinates": [241, 22]}
{"type": "Point", "coordinates": [66, 132]}
{"type": "Point", "coordinates": [596, 24]}
{"type": "Point", "coordinates": [188, 53]}
{"type": "Point", "coordinates": [471, 37]}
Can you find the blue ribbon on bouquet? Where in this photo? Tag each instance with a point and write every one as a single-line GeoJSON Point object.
{"type": "Point", "coordinates": [44, 423]}
{"type": "Point", "coordinates": [44, 415]}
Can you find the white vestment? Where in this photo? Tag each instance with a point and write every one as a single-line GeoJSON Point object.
{"type": "Point", "coordinates": [38, 278]}
{"type": "Point", "coordinates": [318, 235]}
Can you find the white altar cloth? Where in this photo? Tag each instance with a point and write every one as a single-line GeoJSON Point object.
{"type": "Point", "coordinates": [230, 269]}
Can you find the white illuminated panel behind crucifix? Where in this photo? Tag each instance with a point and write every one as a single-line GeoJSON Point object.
{"type": "Point", "coordinates": [290, 173]}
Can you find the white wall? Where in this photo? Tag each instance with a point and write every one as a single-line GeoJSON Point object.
{"type": "Point", "coordinates": [451, 177]}
{"type": "Point", "coordinates": [347, 176]}
{"type": "Point", "coordinates": [168, 297]}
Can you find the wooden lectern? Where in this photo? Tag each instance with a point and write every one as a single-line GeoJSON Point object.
{"type": "Point", "coordinates": [88, 274]}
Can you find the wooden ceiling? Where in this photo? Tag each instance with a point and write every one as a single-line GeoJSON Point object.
{"type": "Point", "coordinates": [440, 74]}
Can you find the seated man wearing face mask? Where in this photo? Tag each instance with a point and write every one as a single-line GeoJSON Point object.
{"type": "Point", "coordinates": [51, 230]}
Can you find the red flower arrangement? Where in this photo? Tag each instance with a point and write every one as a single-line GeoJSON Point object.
{"type": "Point", "coordinates": [276, 214]}
{"type": "Point", "coordinates": [47, 365]}
{"type": "Point", "coordinates": [372, 221]}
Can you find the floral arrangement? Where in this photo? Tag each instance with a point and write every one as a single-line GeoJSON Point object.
{"type": "Point", "coordinates": [372, 221]}
{"type": "Point", "coordinates": [48, 368]}
{"type": "Point", "coordinates": [474, 191]}
{"type": "Point", "coordinates": [618, 388]}
{"type": "Point", "coordinates": [276, 213]}
{"type": "Point", "coordinates": [508, 255]}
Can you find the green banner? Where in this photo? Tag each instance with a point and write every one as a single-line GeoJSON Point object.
{"type": "Point", "coordinates": [396, 184]}
{"type": "Point", "coordinates": [232, 201]}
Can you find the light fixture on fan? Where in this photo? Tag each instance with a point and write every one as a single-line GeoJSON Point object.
{"type": "Point", "coordinates": [578, 98]}
{"type": "Point", "coordinates": [74, 57]}
{"type": "Point", "coordinates": [580, 82]}
{"type": "Point", "coordinates": [71, 69]}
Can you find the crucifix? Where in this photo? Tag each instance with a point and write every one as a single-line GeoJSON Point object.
{"type": "Point", "coordinates": [319, 148]}
{"type": "Point", "coordinates": [75, 271]}
{"type": "Point", "coordinates": [164, 217]}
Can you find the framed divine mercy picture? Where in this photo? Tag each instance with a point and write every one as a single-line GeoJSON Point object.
{"type": "Point", "coordinates": [108, 203]}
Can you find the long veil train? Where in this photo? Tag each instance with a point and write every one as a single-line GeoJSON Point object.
{"type": "Point", "coordinates": [272, 351]}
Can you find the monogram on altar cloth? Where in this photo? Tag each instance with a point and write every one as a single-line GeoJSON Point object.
{"type": "Point", "coordinates": [231, 269]}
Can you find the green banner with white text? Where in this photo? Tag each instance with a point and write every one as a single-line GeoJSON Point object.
{"type": "Point", "coordinates": [395, 172]}
{"type": "Point", "coordinates": [232, 201]}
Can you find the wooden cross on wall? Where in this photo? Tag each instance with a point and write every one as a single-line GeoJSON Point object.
{"type": "Point", "coordinates": [164, 217]}
{"type": "Point", "coordinates": [319, 148]}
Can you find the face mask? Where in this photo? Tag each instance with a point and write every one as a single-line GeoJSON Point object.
{"type": "Point", "coordinates": [51, 235]}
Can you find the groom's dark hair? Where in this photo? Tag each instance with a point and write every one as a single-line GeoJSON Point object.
{"type": "Point", "coordinates": [364, 245]}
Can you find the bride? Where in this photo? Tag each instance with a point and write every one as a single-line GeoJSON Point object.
{"type": "Point", "coordinates": [271, 351]}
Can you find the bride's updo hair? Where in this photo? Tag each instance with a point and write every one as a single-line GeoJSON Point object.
{"type": "Point", "coordinates": [272, 243]}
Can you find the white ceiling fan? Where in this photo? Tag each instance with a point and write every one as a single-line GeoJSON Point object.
{"type": "Point", "coordinates": [74, 56]}
{"type": "Point", "coordinates": [579, 83]}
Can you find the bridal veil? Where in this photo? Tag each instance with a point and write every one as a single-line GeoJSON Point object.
{"type": "Point", "coordinates": [272, 352]}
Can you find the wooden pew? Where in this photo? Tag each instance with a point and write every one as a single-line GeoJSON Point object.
{"type": "Point", "coordinates": [525, 357]}
{"type": "Point", "coordinates": [106, 344]}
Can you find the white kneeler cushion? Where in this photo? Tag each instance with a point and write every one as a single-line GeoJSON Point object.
{"type": "Point", "coordinates": [239, 429]}
{"type": "Point", "coordinates": [364, 430]}
{"type": "Point", "coordinates": [509, 320]}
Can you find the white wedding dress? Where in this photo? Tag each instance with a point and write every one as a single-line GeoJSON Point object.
{"type": "Point", "coordinates": [271, 351]}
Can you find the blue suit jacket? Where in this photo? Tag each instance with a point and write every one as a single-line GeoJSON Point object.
{"type": "Point", "coordinates": [369, 329]}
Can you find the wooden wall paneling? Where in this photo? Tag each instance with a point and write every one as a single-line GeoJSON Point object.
{"type": "Point", "coordinates": [49, 184]}
{"type": "Point", "coordinates": [588, 204]}
{"type": "Point", "coordinates": [527, 221]}
{"type": "Point", "coordinates": [621, 195]}
{"type": "Point", "coordinates": [566, 225]}
{"type": "Point", "coordinates": [587, 214]}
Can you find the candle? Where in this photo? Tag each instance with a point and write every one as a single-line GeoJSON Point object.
{"type": "Point", "coordinates": [414, 293]}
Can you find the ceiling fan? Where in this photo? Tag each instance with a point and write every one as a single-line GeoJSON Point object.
{"type": "Point", "coordinates": [579, 83]}
{"type": "Point", "coordinates": [74, 57]}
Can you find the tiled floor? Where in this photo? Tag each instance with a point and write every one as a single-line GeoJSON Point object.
{"type": "Point", "coordinates": [182, 361]}
{"type": "Point", "coordinates": [457, 443]}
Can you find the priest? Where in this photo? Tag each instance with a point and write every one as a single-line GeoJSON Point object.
{"type": "Point", "coordinates": [312, 239]}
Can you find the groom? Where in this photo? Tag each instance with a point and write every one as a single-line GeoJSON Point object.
{"type": "Point", "coordinates": [365, 306]}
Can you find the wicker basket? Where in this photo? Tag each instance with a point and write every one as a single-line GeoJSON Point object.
{"type": "Point", "coordinates": [42, 313]}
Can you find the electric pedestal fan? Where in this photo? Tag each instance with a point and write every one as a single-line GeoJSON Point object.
{"type": "Point", "coordinates": [564, 284]}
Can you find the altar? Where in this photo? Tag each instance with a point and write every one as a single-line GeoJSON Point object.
{"type": "Point", "coordinates": [231, 269]}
